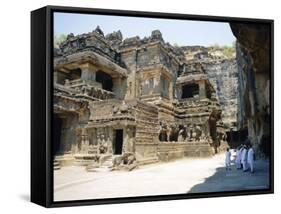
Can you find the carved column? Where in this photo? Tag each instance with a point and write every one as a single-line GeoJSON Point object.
{"type": "Point", "coordinates": [156, 84]}
{"type": "Point", "coordinates": [84, 141]}
{"type": "Point", "coordinates": [178, 91]}
{"type": "Point", "coordinates": [202, 89]}
{"type": "Point", "coordinates": [108, 139]}
{"type": "Point", "coordinates": [117, 87]}
{"type": "Point", "coordinates": [170, 89]}
{"type": "Point", "coordinates": [88, 72]}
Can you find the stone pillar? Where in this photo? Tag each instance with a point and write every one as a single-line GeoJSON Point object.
{"type": "Point", "coordinates": [156, 85]}
{"type": "Point", "coordinates": [110, 140]}
{"type": "Point", "coordinates": [170, 88]}
{"type": "Point", "coordinates": [202, 89]}
{"type": "Point", "coordinates": [84, 141]}
{"type": "Point", "coordinates": [117, 87]}
{"type": "Point", "coordinates": [178, 92]}
{"type": "Point", "coordinates": [88, 72]}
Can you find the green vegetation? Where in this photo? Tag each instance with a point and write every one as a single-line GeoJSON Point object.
{"type": "Point", "coordinates": [58, 39]}
{"type": "Point", "coordinates": [227, 50]}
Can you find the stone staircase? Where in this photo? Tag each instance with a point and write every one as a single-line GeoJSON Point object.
{"type": "Point", "coordinates": [56, 165]}
{"type": "Point", "coordinates": [102, 167]}
{"type": "Point", "coordinates": [107, 163]}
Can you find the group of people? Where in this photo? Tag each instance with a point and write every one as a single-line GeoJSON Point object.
{"type": "Point", "coordinates": [244, 158]}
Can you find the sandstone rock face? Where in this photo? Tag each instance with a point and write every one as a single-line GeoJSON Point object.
{"type": "Point", "coordinates": [222, 72]}
{"type": "Point", "coordinates": [253, 58]}
{"type": "Point", "coordinates": [223, 76]}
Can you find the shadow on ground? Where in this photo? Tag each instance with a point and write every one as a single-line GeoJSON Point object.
{"type": "Point", "coordinates": [235, 180]}
{"type": "Point", "coordinates": [24, 197]}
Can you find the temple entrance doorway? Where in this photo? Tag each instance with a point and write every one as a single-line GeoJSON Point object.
{"type": "Point", "coordinates": [117, 147]}
{"type": "Point", "coordinates": [56, 129]}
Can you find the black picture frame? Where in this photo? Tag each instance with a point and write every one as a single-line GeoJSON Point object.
{"type": "Point", "coordinates": [41, 104]}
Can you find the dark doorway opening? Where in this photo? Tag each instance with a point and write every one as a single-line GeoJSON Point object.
{"type": "Point", "coordinates": [118, 142]}
{"type": "Point", "coordinates": [105, 80]}
{"type": "Point", "coordinates": [236, 138]}
{"type": "Point", "coordinates": [56, 128]}
{"type": "Point", "coordinates": [188, 91]}
{"type": "Point", "coordinates": [75, 74]}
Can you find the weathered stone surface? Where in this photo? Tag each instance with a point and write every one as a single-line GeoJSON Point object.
{"type": "Point", "coordinates": [253, 58]}
{"type": "Point", "coordinates": [222, 72]}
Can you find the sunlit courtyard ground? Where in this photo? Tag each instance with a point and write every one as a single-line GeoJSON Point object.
{"type": "Point", "coordinates": [177, 177]}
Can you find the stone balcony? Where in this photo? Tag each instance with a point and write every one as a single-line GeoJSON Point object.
{"type": "Point", "coordinates": [91, 89]}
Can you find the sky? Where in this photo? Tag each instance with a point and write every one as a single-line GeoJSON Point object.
{"type": "Point", "coordinates": [180, 32]}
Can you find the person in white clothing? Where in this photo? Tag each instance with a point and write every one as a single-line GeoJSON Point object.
{"type": "Point", "coordinates": [238, 157]}
{"type": "Point", "coordinates": [244, 158]}
{"type": "Point", "coordinates": [250, 158]}
{"type": "Point", "coordinates": [227, 159]}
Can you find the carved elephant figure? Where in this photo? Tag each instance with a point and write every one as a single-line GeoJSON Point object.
{"type": "Point", "coordinates": [181, 135]}
{"type": "Point", "coordinates": [198, 133]}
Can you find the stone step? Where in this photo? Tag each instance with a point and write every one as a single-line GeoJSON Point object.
{"type": "Point", "coordinates": [107, 163]}
{"type": "Point", "coordinates": [56, 165]}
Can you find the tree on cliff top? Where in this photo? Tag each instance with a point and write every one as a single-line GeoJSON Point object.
{"type": "Point", "coordinates": [227, 50]}
{"type": "Point", "coordinates": [58, 39]}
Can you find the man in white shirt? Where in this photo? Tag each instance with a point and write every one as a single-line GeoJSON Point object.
{"type": "Point", "coordinates": [238, 157]}
{"type": "Point", "coordinates": [250, 158]}
{"type": "Point", "coordinates": [244, 158]}
{"type": "Point", "coordinates": [227, 159]}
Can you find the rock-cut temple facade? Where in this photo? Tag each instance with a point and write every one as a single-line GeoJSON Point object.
{"type": "Point", "coordinates": [142, 98]}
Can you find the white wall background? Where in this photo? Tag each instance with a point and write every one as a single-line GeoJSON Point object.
{"type": "Point", "coordinates": [15, 105]}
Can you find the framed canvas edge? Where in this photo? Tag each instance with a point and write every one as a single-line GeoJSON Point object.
{"type": "Point", "coordinates": [48, 94]}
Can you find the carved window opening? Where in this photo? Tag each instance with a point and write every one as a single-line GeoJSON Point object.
{"type": "Point", "coordinates": [190, 90]}
{"type": "Point", "coordinates": [74, 74]}
{"type": "Point", "coordinates": [105, 80]}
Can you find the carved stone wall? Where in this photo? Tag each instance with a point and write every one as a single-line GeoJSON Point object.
{"type": "Point", "coordinates": [144, 103]}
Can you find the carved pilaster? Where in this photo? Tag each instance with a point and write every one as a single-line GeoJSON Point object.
{"type": "Point", "coordinates": [88, 72]}
{"type": "Point", "coordinates": [202, 89]}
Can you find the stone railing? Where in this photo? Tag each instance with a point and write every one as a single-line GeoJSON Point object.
{"type": "Point", "coordinates": [90, 89]}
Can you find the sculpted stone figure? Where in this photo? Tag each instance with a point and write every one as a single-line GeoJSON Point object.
{"type": "Point", "coordinates": [181, 136]}
{"type": "Point", "coordinates": [124, 108]}
{"type": "Point", "coordinates": [191, 132]}
{"type": "Point", "coordinates": [163, 132]}
{"type": "Point", "coordinates": [109, 144]}
{"type": "Point", "coordinates": [198, 133]}
{"type": "Point", "coordinates": [99, 31]}
{"type": "Point", "coordinates": [102, 145]}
